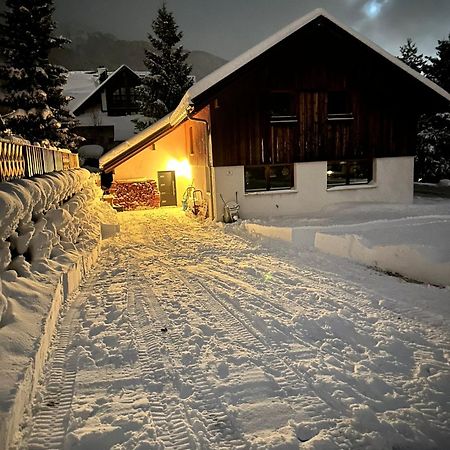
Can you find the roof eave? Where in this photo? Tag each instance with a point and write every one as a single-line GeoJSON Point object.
{"type": "Point", "coordinates": [100, 87]}
{"type": "Point", "coordinates": [132, 150]}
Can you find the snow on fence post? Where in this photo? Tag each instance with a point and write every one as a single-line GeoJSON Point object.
{"type": "Point", "coordinates": [23, 160]}
{"type": "Point", "coordinates": [12, 163]}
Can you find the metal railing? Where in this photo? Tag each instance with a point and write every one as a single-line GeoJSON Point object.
{"type": "Point", "coordinates": [22, 160]}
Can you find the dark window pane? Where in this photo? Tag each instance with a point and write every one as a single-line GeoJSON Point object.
{"type": "Point", "coordinates": [282, 104]}
{"type": "Point", "coordinates": [337, 174]}
{"type": "Point", "coordinates": [359, 172]}
{"type": "Point", "coordinates": [269, 177]}
{"type": "Point", "coordinates": [339, 102]}
{"type": "Point", "coordinates": [281, 177]}
{"type": "Point", "coordinates": [349, 172]}
{"type": "Point", "coordinates": [282, 108]}
{"type": "Point", "coordinates": [255, 178]}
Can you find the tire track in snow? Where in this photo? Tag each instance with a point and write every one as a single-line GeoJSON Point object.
{"type": "Point", "coordinates": [170, 423]}
{"type": "Point", "coordinates": [216, 426]}
{"type": "Point", "coordinates": [272, 360]}
{"type": "Point", "coordinates": [50, 421]}
{"type": "Point", "coordinates": [260, 304]}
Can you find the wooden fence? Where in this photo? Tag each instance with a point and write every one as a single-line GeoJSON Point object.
{"type": "Point", "coordinates": [18, 160]}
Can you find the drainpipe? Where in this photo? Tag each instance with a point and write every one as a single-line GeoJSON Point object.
{"type": "Point", "coordinates": [189, 112]}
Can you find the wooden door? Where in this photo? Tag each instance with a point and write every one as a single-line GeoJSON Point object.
{"type": "Point", "coordinates": [167, 188]}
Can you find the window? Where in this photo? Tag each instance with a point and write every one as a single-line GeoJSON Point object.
{"type": "Point", "coordinates": [342, 173]}
{"type": "Point", "coordinates": [269, 177]}
{"type": "Point", "coordinates": [339, 106]}
{"type": "Point", "coordinates": [122, 101]}
{"type": "Point", "coordinates": [282, 108]}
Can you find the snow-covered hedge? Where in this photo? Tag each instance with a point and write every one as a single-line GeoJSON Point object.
{"type": "Point", "coordinates": [44, 222]}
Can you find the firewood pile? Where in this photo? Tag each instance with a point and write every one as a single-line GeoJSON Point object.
{"type": "Point", "coordinates": [135, 195]}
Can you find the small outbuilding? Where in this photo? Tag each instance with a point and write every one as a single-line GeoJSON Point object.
{"type": "Point", "coordinates": [312, 116]}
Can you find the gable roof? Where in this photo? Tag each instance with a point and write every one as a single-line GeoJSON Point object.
{"type": "Point", "coordinates": [102, 86]}
{"type": "Point", "coordinates": [134, 144]}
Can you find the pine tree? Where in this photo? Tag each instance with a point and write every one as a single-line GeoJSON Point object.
{"type": "Point", "coordinates": [432, 162]}
{"type": "Point", "coordinates": [439, 69]}
{"type": "Point", "coordinates": [168, 78]}
{"type": "Point", "coordinates": [32, 87]}
{"type": "Point", "coordinates": [409, 55]}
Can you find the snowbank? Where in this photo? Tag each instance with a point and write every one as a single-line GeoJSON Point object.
{"type": "Point", "coordinates": [50, 231]}
{"type": "Point", "coordinates": [411, 240]}
{"type": "Point", "coordinates": [419, 251]}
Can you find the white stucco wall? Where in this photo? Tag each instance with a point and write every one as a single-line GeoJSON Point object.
{"type": "Point", "coordinates": [392, 182]}
{"type": "Point", "coordinates": [123, 125]}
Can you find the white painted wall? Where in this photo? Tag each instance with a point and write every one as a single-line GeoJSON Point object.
{"type": "Point", "coordinates": [393, 183]}
{"type": "Point", "coordinates": [123, 125]}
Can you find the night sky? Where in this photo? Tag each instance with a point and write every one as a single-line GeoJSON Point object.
{"type": "Point", "coordinates": [229, 27]}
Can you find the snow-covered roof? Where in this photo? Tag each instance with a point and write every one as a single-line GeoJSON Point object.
{"type": "Point", "coordinates": [187, 102]}
{"type": "Point", "coordinates": [227, 69]}
{"type": "Point", "coordinates": [79, 85]}
{"type": "Point", "coordinates": [101, 86]}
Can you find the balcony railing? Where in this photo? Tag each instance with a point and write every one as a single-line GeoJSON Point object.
{"type": "Point", "coordinates": [20, 160]}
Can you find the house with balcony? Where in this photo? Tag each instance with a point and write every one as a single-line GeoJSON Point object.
{"type": "Point", "coordinates": [104, 104]}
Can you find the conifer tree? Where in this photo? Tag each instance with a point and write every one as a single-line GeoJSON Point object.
{"type": "Point", "coordinates": [432, 161]}
{"type": "Point", "coordinates": [439, 69]}
{"type": "Point", "coordinates": [168, 78]}
{"type": "Point", "coordinates": [434, 133]}
{"type": "Point", "coordinates": [32, 87]}
{"type": "Point", "coordinates": [409, 55]}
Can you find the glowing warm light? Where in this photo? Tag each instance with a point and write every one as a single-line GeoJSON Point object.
{"type": "Point", "coordinates": [181, 168]}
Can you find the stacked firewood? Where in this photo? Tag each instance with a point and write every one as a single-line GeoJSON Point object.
{"type": "Point", "coordinates": [135, 195]}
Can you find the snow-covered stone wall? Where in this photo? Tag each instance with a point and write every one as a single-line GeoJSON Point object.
{"type": "Point", "coordinates": [50, 232]}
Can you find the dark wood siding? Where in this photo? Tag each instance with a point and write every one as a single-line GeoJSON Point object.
{"type": "Point", "coordinates": [120, 96]}
{"type": "Point", "coordinates": [317, 60]}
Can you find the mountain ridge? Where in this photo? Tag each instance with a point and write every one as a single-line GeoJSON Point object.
{"type": "Point", "coordinates": [88, 51]}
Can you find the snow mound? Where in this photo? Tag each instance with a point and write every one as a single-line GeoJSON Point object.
{"type": "Point", "coordinates": [50, 231]}
{"type": "Point", "coordinates": [90, 151]}
{"type": "Point", "coordinates": [409, 240]}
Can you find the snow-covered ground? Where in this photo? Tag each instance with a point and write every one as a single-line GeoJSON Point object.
{"type": "Point", "coordinates": [50, 228]}
{"type": "Point", "coordinates": [411, 240]}
{"type": "Point", "coordinates": [192, 335]}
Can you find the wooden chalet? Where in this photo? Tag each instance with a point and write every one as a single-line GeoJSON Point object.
{"type": "Point", "coordinates": [314, 115]}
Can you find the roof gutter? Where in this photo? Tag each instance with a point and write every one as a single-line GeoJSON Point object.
{"type": "Point", "coordinates": [189, 113]}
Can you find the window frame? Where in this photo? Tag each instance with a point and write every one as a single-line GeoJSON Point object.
{"type": "Point", "coordinates": [333, 113]}
{"type": "Point", "coordinates": [290, 116]}
{"type": "Point", "coordinates": [349, 180]}
{"type": "Point", "coordinates": [267, 177]}
{"type": "Point", "coordinates": [122, 101]}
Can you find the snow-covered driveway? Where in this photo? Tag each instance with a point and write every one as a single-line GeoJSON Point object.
{"type": "Point", "coordinates": [192, 336]}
